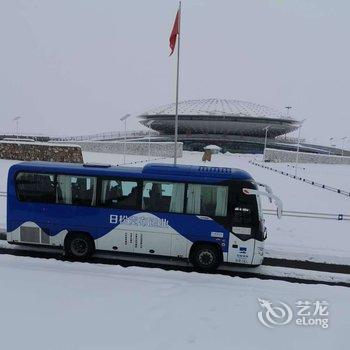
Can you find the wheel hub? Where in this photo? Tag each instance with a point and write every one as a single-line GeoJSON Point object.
{"type": "Point", "coordinates": [206, 258]}
{"type": "Point", "coordinates": [79, 247]}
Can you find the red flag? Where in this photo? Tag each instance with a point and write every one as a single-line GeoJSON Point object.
{"type": "Point", "coordinates": [175, 32]}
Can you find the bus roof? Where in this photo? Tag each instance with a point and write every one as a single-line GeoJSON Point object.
{"type": "Point", "coordinates": [152, 170]}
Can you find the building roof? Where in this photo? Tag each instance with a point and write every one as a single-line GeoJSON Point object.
{"type": "Point", "coordinates": [220, 107]}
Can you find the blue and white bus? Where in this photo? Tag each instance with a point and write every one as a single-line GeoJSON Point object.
{"type": "Point", "coordinates": [206, 215]}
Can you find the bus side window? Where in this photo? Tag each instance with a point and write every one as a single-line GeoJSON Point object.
{"type": "Point", "coordinates": [118, 193]}
{"type": "Point", "coordinates": [32, 187]}
{"type": "Point", "coordinates": [163, 196]}
{"type": "Point", "coordinates": [76, 190]}
{"type": "Point", "coordinates": [207, 200]}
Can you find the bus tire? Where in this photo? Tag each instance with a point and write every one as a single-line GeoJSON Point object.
{"type": "Point", "coordinates": [206, 257]}
{"type": "Point", "coordinates": [79, 246]}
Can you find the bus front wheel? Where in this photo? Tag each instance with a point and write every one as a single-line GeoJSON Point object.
{"type": "Point", "coordinates": [79, 246]}
{"type": "Point", "coordinates": [206, 257]}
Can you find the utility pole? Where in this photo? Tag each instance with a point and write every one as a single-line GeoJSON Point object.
{"type": "Point", "coordinates": [330, 145]}
{"type": "Point", "coordinates": [17, 125]}
{"type": "Point", "coordinates": [298, 147]}
{"type": "Point", "coordinates": [148, 124]}
{"type": "Point", "coordinates": [265, 143]}
{"type": "Point", "coordinates": [288, 108]}
{"type": "Point", "coordinates": [342, 146]}
{"type": "Point", "coordinates": [123, 119]}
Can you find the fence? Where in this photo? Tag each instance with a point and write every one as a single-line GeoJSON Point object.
{"type": "Point", "coordinates": [311, 182]}
{"type": "Point", "coordinates": [114, 135]}
{"type": "Point", "coordinates": [138, 148]}
{"type": "Point", "coordinates": [310, 215]}
{"type": "Point", "coordinates": [328, 157]}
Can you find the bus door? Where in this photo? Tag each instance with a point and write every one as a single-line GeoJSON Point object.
{"type": "Point", "coordinates": [244, 224]}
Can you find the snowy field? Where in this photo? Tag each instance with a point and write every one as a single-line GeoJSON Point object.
{"type": "Point", "coordinates": [336, 175]}
{"type": "Point", "coordinates": [47, 304]}
{"type": "Point", "coordinates": [60, 305]}
{"type": "Point", "coordinates": [315, 239]}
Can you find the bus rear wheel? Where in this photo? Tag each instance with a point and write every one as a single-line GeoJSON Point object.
{"type": "Point", "coordinates": [79, 246]}
{"type": "Point", "coordinates": [206, 257]}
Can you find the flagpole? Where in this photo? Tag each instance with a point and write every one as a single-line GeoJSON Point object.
{"type": "Point", "coordinates": [177, 89]}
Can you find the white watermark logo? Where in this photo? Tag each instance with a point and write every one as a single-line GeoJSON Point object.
{"type": "Point", "coordinates": [272, 315]}
{"type": "Point", "coordinates": [307, 313]}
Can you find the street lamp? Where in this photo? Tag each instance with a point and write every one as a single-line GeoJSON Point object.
{"type": "Point", "coordinates": [148, 124]}
{"type": "Point", "coordinates": [17, 122]}
{"type": "Point", "coordinates": [330, 145]}
{"type": "Point", "coordinates": [123, 119]}
{"type": "Point", "coordinates": [298, 147]}
{"type": "Point", "coordinates": [265, 143]}
{"type": "Point", "coordinates": [342, 146]}
{"type": "Point", "coordinates": [288, 108]}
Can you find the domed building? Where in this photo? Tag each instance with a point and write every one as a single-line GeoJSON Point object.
{"type": "Point", "coordinates": [232, 124]}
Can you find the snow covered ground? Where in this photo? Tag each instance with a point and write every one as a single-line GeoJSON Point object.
{"type": "Point", "coordinates": [336, 175]}
{"type": "Point", "coordinates": [315, 239]}
{"type": "Point", "coordinates": [117, 158]}
{"type": "Point", "coordinates": [49, 304]}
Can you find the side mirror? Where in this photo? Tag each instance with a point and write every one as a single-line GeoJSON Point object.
{"type": "Point", "coordinates": [278, 203]}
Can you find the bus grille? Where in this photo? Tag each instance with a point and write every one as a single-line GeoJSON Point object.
{"type": "Point", "coordinates": [33, 235]}
{"type": "Point", "coordinates": [30, 234]}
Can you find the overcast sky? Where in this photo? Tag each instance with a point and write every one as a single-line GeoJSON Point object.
{"type": "Point", "coordinates": [77, 66]}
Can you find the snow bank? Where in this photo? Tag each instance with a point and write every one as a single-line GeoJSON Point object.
{"type": "Point", "coordinates": [49, 304]}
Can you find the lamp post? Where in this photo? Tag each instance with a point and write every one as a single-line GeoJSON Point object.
{"type": "Point", "coordinates": [265, 143]}
{"type": "Point", "coordinates": [148, 124]}
{"type": "Point", "coordinates": [330, 145]}
{"type": "Point", "coordinates": [298, 147]}
{"type": "Point", "coordinates": [288, 108]}
{"type": "Point", "coordinates": [17, 127]}
{"type": "Point", "coordinates": [123, 119]}
{"type": "Point", "coordinates": [342, 146]}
